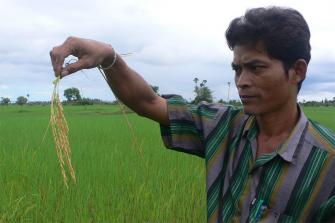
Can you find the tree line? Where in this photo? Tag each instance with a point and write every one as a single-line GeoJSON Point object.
{"type": "Point", "coordinates": [201, 90]}
{"type": "Point", "coordinates": [72, 95]}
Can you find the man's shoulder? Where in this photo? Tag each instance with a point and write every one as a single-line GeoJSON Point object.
{"type": "Point", "coordinates": [212, 118]}
{"type": "Point", "coordinates": [320, 136]}
{"type": "Point", "coordinates": [219, 106]}
{"type": "Point", "coordinates": [210, 110]}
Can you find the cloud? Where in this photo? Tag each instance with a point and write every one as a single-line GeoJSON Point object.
{"type": "Point", "coordinates": [3, 86]}
{"type": "Point", "coordinates": [172, 42]}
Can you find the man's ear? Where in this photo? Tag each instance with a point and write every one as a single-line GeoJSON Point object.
{"type": "Point", "coordinates": [297, 72]}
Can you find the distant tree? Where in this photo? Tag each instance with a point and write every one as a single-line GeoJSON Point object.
{"type": "Point", "coordinates": [72, 94]}
{"type": "Point", "coordinates": [86, 101]}
{"type": "Point", "coordinates": [195, 80]}
{"type": "Point", "coordinates": [221, 101]}
{"type": "Point", "coordinates": [21, 100]}
{"type": "Point", "coordinates": [5, 101]}
{"type": "Point", "coordinates": [202, 92]}
{"type": "Point", "coordinates": [155, 89]}
{"type": "Point", "coordinates": [203, 83]}
{"type": "Point", "coordinates": [235, 103]}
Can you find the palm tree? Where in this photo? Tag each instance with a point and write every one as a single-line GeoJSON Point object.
{"type": "Point", "coordinates": [196, 80]}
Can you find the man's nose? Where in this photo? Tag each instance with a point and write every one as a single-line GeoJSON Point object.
{"type": "Point", "coordinates": [243, 80]}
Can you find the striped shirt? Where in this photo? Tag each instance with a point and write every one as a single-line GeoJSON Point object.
{"type": "Point", "coordinates": [294, 184]}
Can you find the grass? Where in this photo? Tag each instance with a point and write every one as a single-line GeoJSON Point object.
{"type": "Point", "coordinates": [114, 183]}
{"type": "Point", "coordinates": [323, 115]}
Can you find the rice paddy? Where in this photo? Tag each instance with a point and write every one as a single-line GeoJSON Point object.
{"type": "Point", "coordinates": [114, 182]}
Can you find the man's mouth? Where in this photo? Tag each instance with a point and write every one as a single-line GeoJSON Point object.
{"type": "Point", "coordinates": [247, 98]}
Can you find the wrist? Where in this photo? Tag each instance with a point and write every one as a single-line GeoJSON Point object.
{"type": "Point", "coordinates": [110, 59]}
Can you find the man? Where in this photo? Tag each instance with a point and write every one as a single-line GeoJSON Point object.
{"type": "Point", "coordinates": [266, 162]}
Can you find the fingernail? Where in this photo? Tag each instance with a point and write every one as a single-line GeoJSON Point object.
{"type": "Point", "coordinates": [64, 73]}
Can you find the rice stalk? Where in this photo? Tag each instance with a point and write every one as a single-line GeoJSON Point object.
{"type": "Point", "coordinates": [60, 132]}
{"type": "Point", "coordinates": [135, 143]}
{"type": "Point", "coordinates": [131, 129]}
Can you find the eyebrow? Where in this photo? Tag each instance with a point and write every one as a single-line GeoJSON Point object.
{"type": "Point", "coordinates": [249, 63]}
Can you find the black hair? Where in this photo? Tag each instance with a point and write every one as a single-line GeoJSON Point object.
{"type": "Point", "coordinates": [283, 31]}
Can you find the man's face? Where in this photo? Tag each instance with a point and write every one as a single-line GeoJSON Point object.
{"type": "Point", "coordinates": [262, 83]}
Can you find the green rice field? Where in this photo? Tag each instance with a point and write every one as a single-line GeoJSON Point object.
{"type": "Point", "coordinates": [115, 181]}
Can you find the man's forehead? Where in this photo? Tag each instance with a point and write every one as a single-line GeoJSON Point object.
{"type": "Point", "coordinates": [245, 53]}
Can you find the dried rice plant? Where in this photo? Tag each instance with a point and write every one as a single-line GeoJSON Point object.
{"type": "Point", "coordinates": [136, 145]}
{"type": "Point", "coordinates": [60, 132]}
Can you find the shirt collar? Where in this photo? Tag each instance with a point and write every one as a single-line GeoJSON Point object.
{"type": "Point", "coordinates": [248, 126]}
{"type": "Point", "coordinates": [288, 148]}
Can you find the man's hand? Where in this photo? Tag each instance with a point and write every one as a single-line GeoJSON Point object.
{"type": "Point", "coordinates": [127, 84]}
{"type": "Point", "coordinates": [90, 54]}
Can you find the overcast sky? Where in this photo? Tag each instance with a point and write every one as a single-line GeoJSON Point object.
{"type": "Point", "coordinates": [172, 43]}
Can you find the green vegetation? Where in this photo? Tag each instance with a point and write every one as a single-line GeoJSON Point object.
{"type": "Point", "coordinates": [5, 101]}
{"type": "Point", "coordinates": [21, 100]}
{"type": "Point", "coordinates": [202, 92]}
{"type": "Point", "coordinates": [115, 183]}
{"type": "Point", "coordinates": [324, 115]}
{"type": "Point", "coordinates": [72, 94]}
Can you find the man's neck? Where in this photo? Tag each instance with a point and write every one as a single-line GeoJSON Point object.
{"type": "Point", "coordinates": [278, 122]}
{"type": "Point", "coordinates": [275, 128]}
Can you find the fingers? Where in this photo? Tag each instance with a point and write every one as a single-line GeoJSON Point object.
{"type": "Point", "coordinates": [90, 53]}
{"type": "Point", "coordinates": [59, 53]}
{"type": "Point", "coordinates": [57, 59]}
{"type": "Point", "coordinates": [74, 67]}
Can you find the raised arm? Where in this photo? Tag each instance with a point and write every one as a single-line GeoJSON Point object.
{"type": "Point", "coordinates": [126, 83]}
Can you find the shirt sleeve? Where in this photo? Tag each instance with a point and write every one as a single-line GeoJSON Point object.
{"type": "Point", "coordinates": [189, 124]}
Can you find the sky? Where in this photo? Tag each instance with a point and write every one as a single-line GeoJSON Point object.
{"type": "Point", "coordinates": [171, 42]}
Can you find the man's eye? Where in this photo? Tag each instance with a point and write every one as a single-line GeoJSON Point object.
{"type": "Point", "coordinates": [257, 68]}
